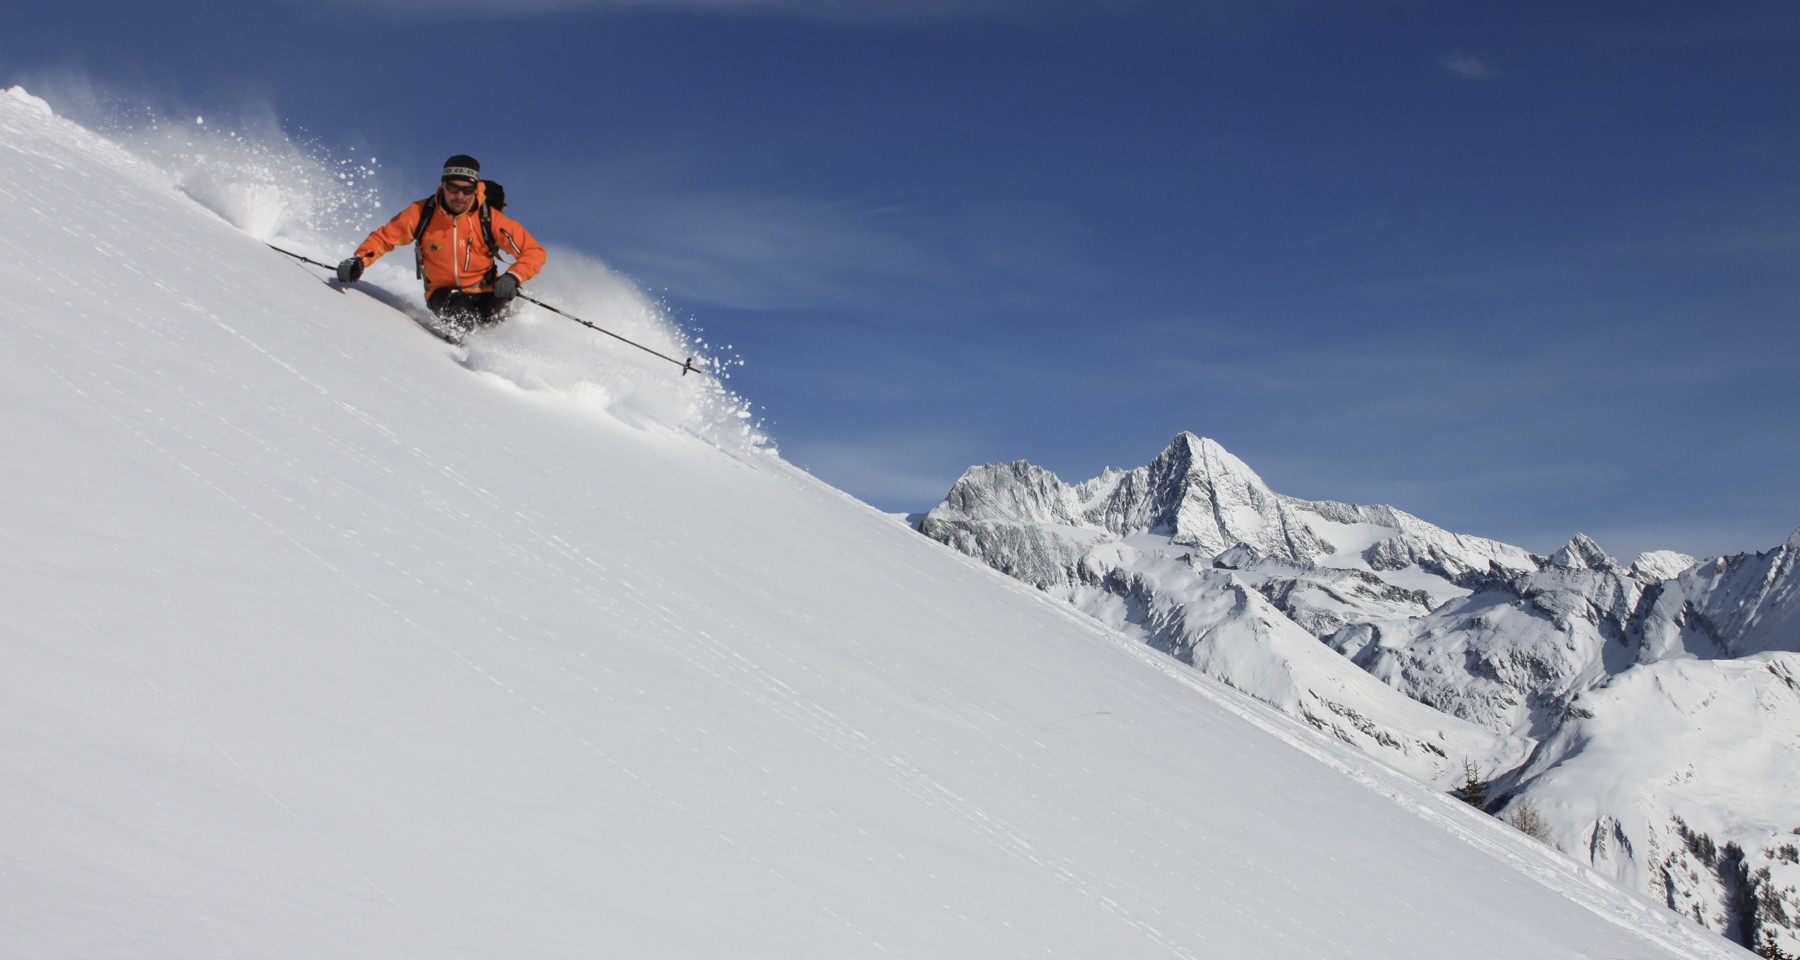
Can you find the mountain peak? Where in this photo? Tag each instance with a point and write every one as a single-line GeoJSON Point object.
{"type": "Point", "coordinates": [1582, 553]}
{"type": "Point", "coordinates": [1209, 455]}
{"type": "Point", "coordinates": [1199, 495]}
{"type": "Point", "coordinates": [1195, 442]}
{"type": "Point", "coordinates": [1020, 491]}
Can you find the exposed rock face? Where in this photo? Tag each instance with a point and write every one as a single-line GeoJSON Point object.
{"type": "Point", "coordinates": [1742, 605]}
{"type": "Point", "coordinates": [1661, 564]}
{"type": "Point", "coordinates": [1433, 650]}
{"type": "Point", "coordinates": [1200, 496]}
{"type": "Point", "coordinates": [1512, 655]}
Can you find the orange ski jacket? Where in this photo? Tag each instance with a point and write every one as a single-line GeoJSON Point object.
{"type": "Point", "coordinates": [452, 249]}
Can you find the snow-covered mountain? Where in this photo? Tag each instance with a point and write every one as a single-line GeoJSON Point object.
{"type": "Point", "coordinates": [1628, 705]}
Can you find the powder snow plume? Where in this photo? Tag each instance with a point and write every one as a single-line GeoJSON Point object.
{"type": "Point", "coordinates": [317, 200]}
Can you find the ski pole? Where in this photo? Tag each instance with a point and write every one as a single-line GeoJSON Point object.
{"type": "Point", "coordinates": [340, 287]}
{"type": "Point", "coordinates": [328, 266]}
{"type": "Point", "coordinates": [687, 366]}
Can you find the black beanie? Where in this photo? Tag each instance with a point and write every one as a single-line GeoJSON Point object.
{"type": "Point", "coordinates": [462, 167]}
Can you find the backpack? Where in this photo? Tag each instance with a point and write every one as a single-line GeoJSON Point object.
{"type": "Point", "coordinates": [495, 199]}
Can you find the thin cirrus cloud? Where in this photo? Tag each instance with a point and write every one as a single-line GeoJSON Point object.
{"type": "Point", "coordinates": [1461, 63]}
{"type": "Point", "coordinates": [777, 252]}
{"type": "Point", "coordinates": [853, 12]}
{"type": "Point", "coordinates": [841, 11]}
{"type": "Point", "coordinates": [907, 472]}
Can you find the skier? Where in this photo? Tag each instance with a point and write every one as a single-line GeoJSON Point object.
{"type": "Point", "coordinates": [458, 233]}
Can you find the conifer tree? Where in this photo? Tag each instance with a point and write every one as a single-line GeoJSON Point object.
{"type": "Point", "coordinates": [1769, 949]}
{"type": "Point", "coordinates": [1473, 791]}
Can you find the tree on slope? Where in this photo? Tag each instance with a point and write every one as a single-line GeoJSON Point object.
{"type": "Point", "coordinates": [1473, 791]}
{"type": "Point", "coordinates": [1524, 817]}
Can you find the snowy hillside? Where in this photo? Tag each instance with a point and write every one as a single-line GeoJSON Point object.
{"type": "Point", "coordinates": [326, 639]}
{"type": "Point", "coordinates": [1553, 678]}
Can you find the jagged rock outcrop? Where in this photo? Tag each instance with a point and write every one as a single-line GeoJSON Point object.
{"type": "Point", "coordinates": [1512, 656]}
{"type": "Point", "coordinates": [1745, 604]}
{"type": "Point", "coordinates": [1200, 496]}
{"type": "Point", "coordinates": [1661, 565]}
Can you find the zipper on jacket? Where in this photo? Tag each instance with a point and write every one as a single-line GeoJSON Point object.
{"type": "Point", "coordinates": [455, 240]}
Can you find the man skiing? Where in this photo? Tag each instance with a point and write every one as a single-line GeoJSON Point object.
{"type": "Point", "coordinates": [458, 233]}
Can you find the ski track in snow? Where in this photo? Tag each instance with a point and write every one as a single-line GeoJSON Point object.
{"type": "Point", "coordinates": [777, 695]}
{"type": "Point", "coordinates": [413, 922]}
{"type": "Point", "coordinates": [112, 412]}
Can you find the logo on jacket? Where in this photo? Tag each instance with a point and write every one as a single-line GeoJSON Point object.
{"type": "Point", "coordinates": [433, 248]}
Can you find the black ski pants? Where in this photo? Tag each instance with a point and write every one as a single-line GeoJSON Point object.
{"type": "Point", "coordinates": [466, 310]}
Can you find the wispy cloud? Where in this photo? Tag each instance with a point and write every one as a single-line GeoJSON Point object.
{"type": "Point", "coordinates": [835, 11]}
{"type": "Point", "coordinates": [1468, 66]}
{"type": "Point", "coordinates": [775, 252]}
{"type": "Point", "coordinates": [910, 472]}
{"type": "Point", "coordinates": [1190, 13]}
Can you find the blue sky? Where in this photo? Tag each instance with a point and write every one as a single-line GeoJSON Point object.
{"type": "Point", "coordinates": [1522, 268]}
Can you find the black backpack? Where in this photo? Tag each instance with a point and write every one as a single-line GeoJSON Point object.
{"type": "Point", "coordinates": [495, 195]}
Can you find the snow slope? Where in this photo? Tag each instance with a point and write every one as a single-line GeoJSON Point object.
{"type": "Point", "coordinates": [325, 639]}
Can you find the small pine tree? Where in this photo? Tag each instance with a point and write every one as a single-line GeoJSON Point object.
{"type": "Point", "coordinates": [1769, 949]}
{"type": "Point", "coordinates": [1473, 791]}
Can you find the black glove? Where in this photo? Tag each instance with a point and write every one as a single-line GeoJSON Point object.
{"type": "Point", "coordinates": [506, 288]}
{"type": "Point", "coordinates": [350, 269]}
